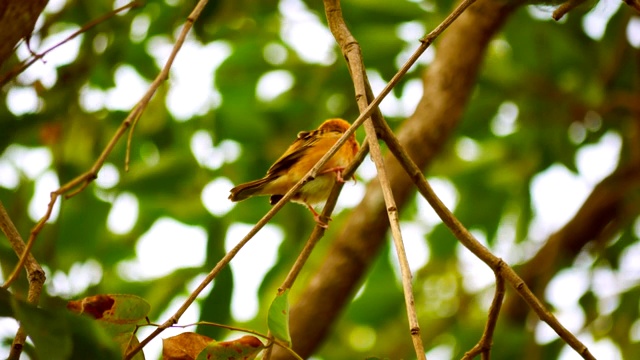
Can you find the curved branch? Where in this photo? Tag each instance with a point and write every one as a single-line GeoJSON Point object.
{"type": "Point", "coordinates": [484, 345]}
{"type": "Point", "coordinates": [565, 7]}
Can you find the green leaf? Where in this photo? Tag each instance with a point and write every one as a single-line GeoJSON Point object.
{"type": "Point", "coordinates": [279, 317]}
{"type": "Point", "coordinates": [48, 330]}
{"type": "Point", "coordinates": [59, 334]}
{"type": "Point", "coordinates": [123, 311]}
{"type": "Point", "coordinates": [117, 314]}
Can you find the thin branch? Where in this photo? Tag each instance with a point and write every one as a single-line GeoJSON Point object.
{"type": "Point", "coordinates": [392, 211]}
{"type": "Point", "coordinates": [127, 156]}
{"type": "Point", "coordinates": [26, 253]}
{"type": "Point", "coordinates": [17, 70]}
{"type": "Point", "coordinates": [318, 231]}
{"type": "Point", "coordinates": [259, 225]}
{"type": "Point", "coordinates": [470, 242]}
{"type": "Point", "coordinates": [565, 7]}
{"type": "Point", "coordinates": [484, 345]}
{"type": "Point", "coordinates": [312, 308]}
{"type": "Point", "coordinates": [78, 184]}
{"type": "Point", "coordinates": [17, 244]}
{"type": "Point", "coordinates": [234, 328]}
{"type": "Point", "coordinates": [366, 113]}
{"type": "Point", "coordinates": [352, 53]}
{"type": "Point", "coordinates": [36, 276]}
{"type": "Point", "coordinates": [223, 326]}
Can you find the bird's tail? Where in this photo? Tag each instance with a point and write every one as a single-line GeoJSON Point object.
{"type": "Point", "coordinates": [247, 190]}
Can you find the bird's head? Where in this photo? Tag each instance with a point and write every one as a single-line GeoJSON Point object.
{"type": "Point", "coordinates": [337, 125]}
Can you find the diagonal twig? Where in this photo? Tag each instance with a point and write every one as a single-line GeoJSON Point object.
{"type": "Point", "coordinates": [78, 184]}
{"type": "Point", "coordinates": [353, 55]}
{"type": "Point", "coordinates": [17, 70]}
{"type": "Point", "coordinates": [318, 231]}
{"type": "Point", "coordinates": [366, 113]}
{"type": "Point", "coordinates": [470, 242]}
{"type": "Point", "coordinates": [257, 227]}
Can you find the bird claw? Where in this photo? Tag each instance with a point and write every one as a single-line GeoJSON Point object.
{"type": "Point", "coordinates": [338, 170]}
{"type": "Point", "coordinates": [340, 179]}
{"type": "Point", "coordinates": [317, 218]}
{"type": "Point", "coordinates": [321, 223]}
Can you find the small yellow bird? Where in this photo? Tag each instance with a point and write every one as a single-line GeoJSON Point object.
{"type": "Point", "coordinates": [299, 158]}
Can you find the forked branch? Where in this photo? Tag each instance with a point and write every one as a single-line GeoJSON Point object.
{"type": "Point", "coordinates": [501, 268]}
{"type": "Point", "coordinates": [484, 345]}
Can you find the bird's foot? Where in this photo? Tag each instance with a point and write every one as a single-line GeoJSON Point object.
{"type": "Point", "coordinates": [318, 218]}
{"type": "Point", "coordinates": [338, 170]}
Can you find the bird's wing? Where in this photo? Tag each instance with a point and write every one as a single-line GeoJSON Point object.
{"type": "Point", "coordinates": [297, 150]}
{"type": "Point", "coordinates": [305, 141]}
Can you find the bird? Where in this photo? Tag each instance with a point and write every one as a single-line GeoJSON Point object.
{"type": "Point", "coordinates": [297, 160]}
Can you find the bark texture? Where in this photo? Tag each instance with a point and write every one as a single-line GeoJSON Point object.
{"type": "Point", "coordinates": [17, 19]}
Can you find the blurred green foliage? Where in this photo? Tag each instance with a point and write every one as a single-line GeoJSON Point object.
{"type": "Point", "coordinates": [553, 73]}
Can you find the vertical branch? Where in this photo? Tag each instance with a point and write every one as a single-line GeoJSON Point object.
{"type": "Point", "coordinates": [353, 55]}
{"type": "Point", "coordinates": [484, 345]}
{"type": "Point", "coordinates": [36, 276]}
{"type": "Point", "coordinates": [392, 211]}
